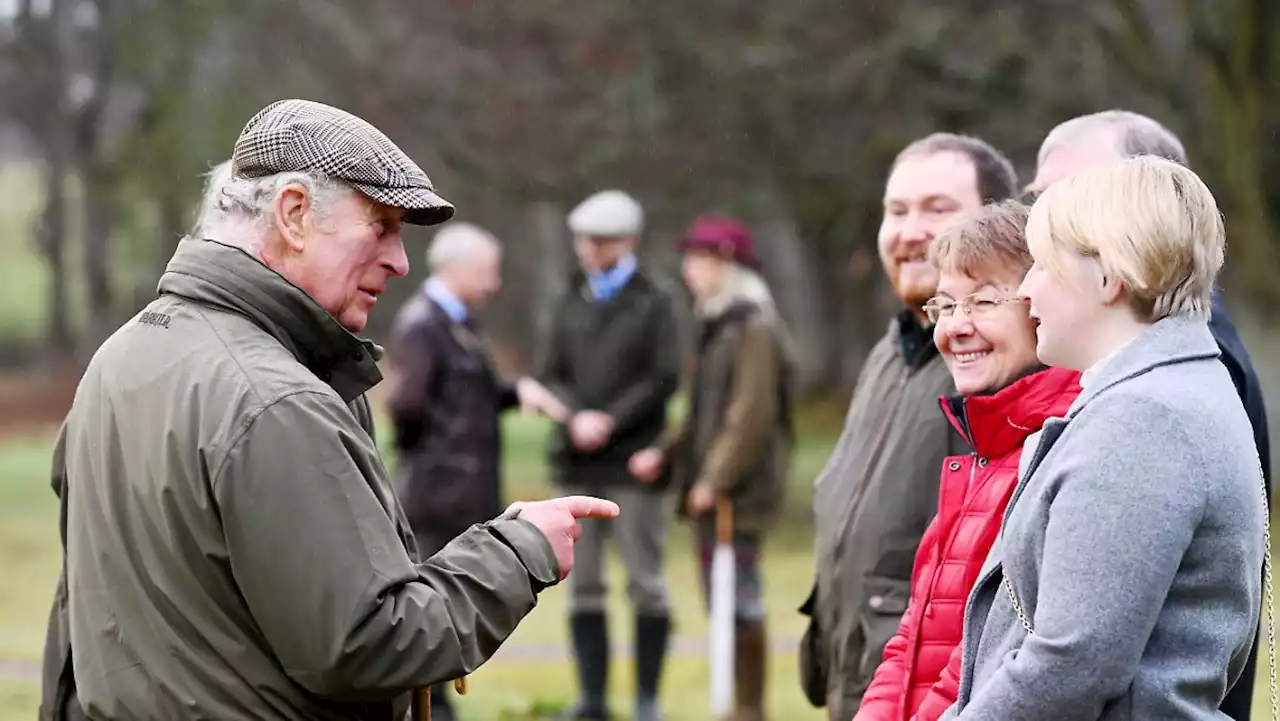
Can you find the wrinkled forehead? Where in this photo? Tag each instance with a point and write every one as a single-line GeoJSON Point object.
{"type": "Point", "coordinates": [944, 174]}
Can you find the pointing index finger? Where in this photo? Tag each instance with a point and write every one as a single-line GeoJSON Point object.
{"type": "Point", "coordinates": [589, 507]}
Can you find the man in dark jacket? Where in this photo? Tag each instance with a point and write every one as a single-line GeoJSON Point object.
{"type": "Point", "coordinates": [447, 400]}
{"type": "Point", "coordinates": [233, 547]}
{"type": "Point", "coordinates": [612, 356]}
{"type": "Point", "coordinates": [879, 490]}
{"type": "Point", "coordinates": [1105, 137]}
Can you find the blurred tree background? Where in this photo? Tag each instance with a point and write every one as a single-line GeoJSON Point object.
{"type": "Point", "coordinates": [784, 113]}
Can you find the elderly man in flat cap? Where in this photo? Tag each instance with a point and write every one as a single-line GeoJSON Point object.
{"type": "Point", "coordinates": [233, 547]}
{"type": "Point", "coordinates": [612, 357]}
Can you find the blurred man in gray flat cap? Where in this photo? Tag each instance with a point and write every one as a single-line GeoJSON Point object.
{"type": "Point", "coordinates": [612, 356]}
{"type": "Point", "coordinates": [233, 547]}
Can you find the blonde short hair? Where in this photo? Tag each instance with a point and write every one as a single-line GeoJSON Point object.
{"type": "Point", "coordinates": [1149, 222]}
{"type": "Point", "coordinates": [991, 243]}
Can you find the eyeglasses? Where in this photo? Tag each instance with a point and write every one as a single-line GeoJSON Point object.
{"type": "Point", "coordinates": [937, 308]}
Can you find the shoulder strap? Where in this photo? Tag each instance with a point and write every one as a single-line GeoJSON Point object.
{"type": "Point", "coordinates": [1268, 596]}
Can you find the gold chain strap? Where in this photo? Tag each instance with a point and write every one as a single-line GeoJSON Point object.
{"type": "Point", "coordinates": [1268, 600]}
{"type": "Point", "coordinates": [1013, 598]}
{"type": "Point", "coordinates": [1268, 604]}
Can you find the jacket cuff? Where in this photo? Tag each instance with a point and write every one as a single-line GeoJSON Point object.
{"type": "Point", "coordinates": [531, 547]}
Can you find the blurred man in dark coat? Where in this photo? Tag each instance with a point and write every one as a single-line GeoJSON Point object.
{"type": "Point", "coordinates": [447, 400]}
{"type": "Point", "coordinates": [613, 357]}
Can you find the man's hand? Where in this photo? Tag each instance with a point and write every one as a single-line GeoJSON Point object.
{"type": "Point", "coordinates": [701, 500]}
{"type": "Point", "coordinates": [590, 430]}
{"type": "Point", "coordinates": [558, 520]}
{"type": "Point", "coordinates": [536, 398]}
{"type": "Point", "coordinates": [646, 465]}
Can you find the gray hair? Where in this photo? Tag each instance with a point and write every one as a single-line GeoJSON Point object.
{"type": "Point", "coordinates": [458, 241]}
{"type": "Point", "coordinates": [1135, 134]}
{"type": "Point", "coordinates": [229, 202]}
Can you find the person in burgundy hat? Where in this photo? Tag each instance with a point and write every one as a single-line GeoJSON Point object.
{"type": "Point", "coordinates": [736, 441]}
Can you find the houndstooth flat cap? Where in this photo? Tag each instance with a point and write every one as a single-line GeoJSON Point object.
{"type": "Point", "coordinates": [306, 136]}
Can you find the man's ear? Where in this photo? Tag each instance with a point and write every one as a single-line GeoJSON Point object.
{"type": "Point", "coordinates": [292, 206]}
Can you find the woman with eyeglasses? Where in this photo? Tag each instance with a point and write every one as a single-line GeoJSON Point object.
{"type": "Point", "coordinates": [1125, 583]}
{"type": "Point", "coordinates": [988, 341]}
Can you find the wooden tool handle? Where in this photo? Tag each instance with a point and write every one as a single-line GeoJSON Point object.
{"type": "Point", "coordinates": [724, 520]}
{"type": "Point", "coordinates": [459, 685]}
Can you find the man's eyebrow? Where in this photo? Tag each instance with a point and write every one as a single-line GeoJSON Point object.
{"type": "Point", "coordinates": [922, 199]}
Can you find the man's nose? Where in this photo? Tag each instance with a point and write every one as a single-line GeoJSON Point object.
{"type": "Point", "coordinates": [395, 260]}
{"type": "Point", "coordinates": [913, 229]}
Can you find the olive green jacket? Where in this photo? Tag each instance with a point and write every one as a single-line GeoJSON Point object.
{"type": "Point", "coordinates": [234, 549]}
{"type": "Point", "coordinates": [737, 437]}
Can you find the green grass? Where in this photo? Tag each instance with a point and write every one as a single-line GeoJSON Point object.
{"type": "Point", "coordinates": [505, 689]}
{"type": "Point", "coordinates": [511, 689]}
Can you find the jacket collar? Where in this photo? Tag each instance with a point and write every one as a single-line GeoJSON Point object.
{"type": "Point", "coordinates": [227, 278]}
{"type": "Point", "coordinates": [1176, 339]}
{"type": "Point", "coordinates": [915, 342]}
{"type": "Point", "coordinates": [998, 423]}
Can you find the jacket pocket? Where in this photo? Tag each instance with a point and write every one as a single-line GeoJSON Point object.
{"type": "Point", "coordinates": [813, 661]}
{"type": "Point", "coordinates": [885, 602]}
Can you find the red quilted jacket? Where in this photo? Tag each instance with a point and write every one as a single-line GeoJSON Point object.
{"type": "Point", "coordinates": [919, 676]}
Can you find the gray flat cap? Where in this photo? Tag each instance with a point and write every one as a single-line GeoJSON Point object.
{"type": "Point", "coordinates": [607, 214]}
{"type": "Point", "coordinates": [310, 137]}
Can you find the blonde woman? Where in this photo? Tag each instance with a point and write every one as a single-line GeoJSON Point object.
{"type": "Point", "coordinates": [736, 441]}
{"type": "Point", "coordinates": [1125, 583]}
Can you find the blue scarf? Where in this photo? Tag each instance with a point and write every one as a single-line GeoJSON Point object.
{"type": "Point", "coordinates": [608, 284]}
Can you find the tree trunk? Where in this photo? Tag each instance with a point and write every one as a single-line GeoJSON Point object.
{"type": "Point", "coordinates": [798, 293]}
{"type": "Point", "coordinates": [546, 226]}
{"type": "Point", "coordinates": [53, 244]}
{"type": "Point", "coordinates": [98, 232]}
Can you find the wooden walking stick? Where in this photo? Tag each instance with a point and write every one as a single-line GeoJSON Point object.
{"type": "Point", "coordinates": [722, 603]}
{"type": "Point", "coordinates": [459, 685]}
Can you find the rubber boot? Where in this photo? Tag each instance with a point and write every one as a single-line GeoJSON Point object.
{"type": "Point", "coordinates": [652, 633]}
{"type": "Point", "coordinates": [590, 633]}
{"type": "Point", "coordinates": [750, 669]}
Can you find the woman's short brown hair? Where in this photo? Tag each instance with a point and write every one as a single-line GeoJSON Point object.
{"type": "Point", "coordinates": [994, 242]}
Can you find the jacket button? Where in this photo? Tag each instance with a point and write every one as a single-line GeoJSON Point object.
{"type": "Point", "coordinates": [982, 463]}
{"type": "Point", "coordinates": [953, 466]}
{"type": "Point", "coordinates": [875, 601]}
{"type": "Point", "coordinates": [357, 356]}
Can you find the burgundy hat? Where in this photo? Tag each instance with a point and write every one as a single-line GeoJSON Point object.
{"type": "Point", "coordinates": [726, 237]}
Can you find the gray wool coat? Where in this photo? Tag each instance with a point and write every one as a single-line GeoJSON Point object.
{"type": "Point", "coordinates": [1134, 544]}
